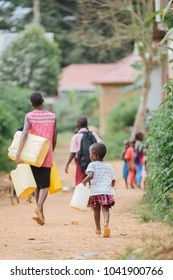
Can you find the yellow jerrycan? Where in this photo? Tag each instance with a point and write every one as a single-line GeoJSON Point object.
{"type": "Point", "coordinates": [23, 180]}
{"type": "Point", "coordinates": [34, 150]}
{"type": "Point", "coordinates": [55, 183]}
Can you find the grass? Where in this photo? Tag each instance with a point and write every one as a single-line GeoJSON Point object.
{"type": "Point", "coordinates": [156, 251]}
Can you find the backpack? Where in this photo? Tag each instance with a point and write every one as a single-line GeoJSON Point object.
{"type": "Point", "coordinates": [83, 155]}
{"type": "Point", "coordinates": [138, 152]}
{"type": "Point", "coordinates": [137, 156]}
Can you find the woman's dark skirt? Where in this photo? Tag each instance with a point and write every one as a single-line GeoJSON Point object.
{"type": "Point", "coordinates": [42, 176]}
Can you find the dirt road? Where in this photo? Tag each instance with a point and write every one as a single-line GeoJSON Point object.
{"type": "Point", "coordinates": [69, 233]}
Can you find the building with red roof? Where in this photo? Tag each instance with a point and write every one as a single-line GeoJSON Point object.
{"type": "Point", "coordinates": [81, 77]}
{"type": "Point", "coordinates": [111, 78]}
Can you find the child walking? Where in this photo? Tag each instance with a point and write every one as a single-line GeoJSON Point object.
{"type": "Point", "coordinates": [102, 178]}
{"type": "Point", "coordinates": [125, 168]}
{"type": "Point", "coordinates": [129, 157]}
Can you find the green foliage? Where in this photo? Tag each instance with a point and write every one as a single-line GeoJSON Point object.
{"type": "Point", "coordinates": [151, 16]}
{"type": "Point", "coordinates": [114, 143]}
{"type": "Point", "coordinates": [55, 17]}
{"type": "Point", "coordinates": [73, 105]}
{"type": "Point", "coordinates": [168, 19]}
{"type": "Point", "coordinates": [31, 61]}
{"type": "Point", "coordinates": [158, 200]}
{"type": "Point", "coordinates": [159, 194]}
{"type": "Point", "coordinates": [14, 104]}
{"type": "Point", "coordinates": [119, 121]}
{"type": "Point", "coordinates": [6, 121]}
{"type": "Point", "coordinates": [122, 114]}
{"type": "Point", "coordinates": [5, 163]}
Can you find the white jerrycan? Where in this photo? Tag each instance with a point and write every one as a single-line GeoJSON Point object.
{"type": "Point", "coordinates": [80, 197]}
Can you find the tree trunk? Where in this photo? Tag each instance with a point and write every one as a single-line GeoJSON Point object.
{"type": "Point", "coordinates": [36, 12]}
{"type": "Point", "coordinates": [140, 116]}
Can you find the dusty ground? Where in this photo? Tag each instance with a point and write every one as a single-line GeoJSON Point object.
{"type": "Point", "coordinates": [69, 233]}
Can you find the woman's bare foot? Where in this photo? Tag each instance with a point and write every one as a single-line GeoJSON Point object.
{"type": "Point", "coordinates": [98, 231]}
{"type": "Point", "coordinates": [39, 214]}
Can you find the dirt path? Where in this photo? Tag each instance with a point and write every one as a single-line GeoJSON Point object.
{"type": "Point", "coordinates": [69, 233]}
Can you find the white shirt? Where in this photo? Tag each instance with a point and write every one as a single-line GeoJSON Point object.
{"type": "Point", "coordinates": [103, 177]}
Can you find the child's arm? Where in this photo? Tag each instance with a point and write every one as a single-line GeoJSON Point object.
{"type": "Point", "coordinates": [88, 178]}
{"type": "Point", "coordinates": [113, 183]}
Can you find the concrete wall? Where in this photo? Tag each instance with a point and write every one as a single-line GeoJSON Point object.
{"type": "Point", "coordinates": [111, 94]}
{"type": "Point", "coordinates": [155, 94]}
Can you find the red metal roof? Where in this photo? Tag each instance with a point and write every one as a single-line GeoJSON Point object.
{"type": "Point", "coordinates": [86, 75]}
{"type": "Point", "coordinates": [121, 72]}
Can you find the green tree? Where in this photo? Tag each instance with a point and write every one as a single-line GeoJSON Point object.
{"type": "Point", "coordinates": [14, 104]}
{"type": "Point", "coordinates": [61, 17]}
{"type": "Point", "coordinates": [116, 23]}
{"type": "Point", "coordinates": [31, 61]}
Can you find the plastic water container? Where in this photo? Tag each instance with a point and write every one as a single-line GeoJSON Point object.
{"type": "Point", "coordinates": [113, 192]}
{"type": "Point", "coordinates": [80, 197]}
{"type": "Point", "coordinates": [23, 180]}
{"type": "Point", "coordinates": [55, 183]}
{"type": "Point", "coordinates": [34, 150]}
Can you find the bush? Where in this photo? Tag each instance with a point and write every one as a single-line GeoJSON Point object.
{"type": "Point", "coordinates": [14, 104]}
{"type": "Point", "coordinates": [159, 194]}
{"type": "Point", "coordinates": [114, 144]}
{"type": "Point", "coordinates": [122, 114]}
{"type": "Point", "coordinates": [31, 61]}
{"type": "Point", "coordinates": [72, 106]}
{"type": "Point", "coordinates": [118, 124]}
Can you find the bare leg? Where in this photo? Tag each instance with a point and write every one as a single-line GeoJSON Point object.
{"type": "Point", "coordinates": [40, 217]}
{"type": "Point", "coordinates": [41, 199]}
{"type": "Point", "coordinates": [37, 196]}
{"type": "Point", "coordinates": [126, 183]}
{"type": "Point", "coordinates": [97, 218]}
{"type": "Point", "coordinates": [106, 216]}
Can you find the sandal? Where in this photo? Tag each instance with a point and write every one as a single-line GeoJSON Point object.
{"type": "Point", "coordinates": [106, 232]}
{"type": "Point", "coordinates": [38, 220]}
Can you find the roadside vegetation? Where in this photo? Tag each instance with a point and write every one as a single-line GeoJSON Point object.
{"type": "Point", "coordinates": [157, 203]}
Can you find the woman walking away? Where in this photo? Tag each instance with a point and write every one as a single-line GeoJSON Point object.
{"type": "Point", "coordinates": [102, 179]}
{"type": "Point", "coordinates": [82, 128]}
{"type": "Point", "coordinates": [42, 123]}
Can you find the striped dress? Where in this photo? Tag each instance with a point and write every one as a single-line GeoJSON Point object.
{"type": "Point", "coordinates": [42, 123]}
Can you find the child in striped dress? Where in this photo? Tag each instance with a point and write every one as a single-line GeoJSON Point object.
{"type": "Point", "coordinates": [102, 178]}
